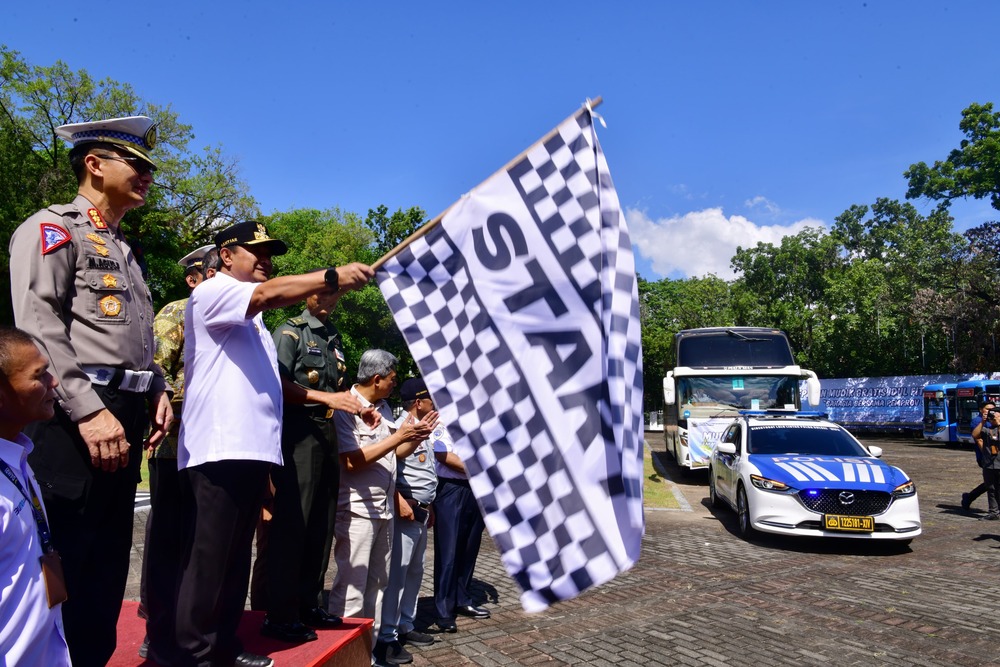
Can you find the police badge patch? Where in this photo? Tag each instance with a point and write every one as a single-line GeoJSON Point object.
{"type": "Point", "coordinates": [53, 236]}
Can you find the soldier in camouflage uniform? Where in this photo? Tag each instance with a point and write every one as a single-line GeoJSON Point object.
{"type": "Point", "coordinates": [313, 373]}
{"type": "Point", "coordinates": [162, 548]}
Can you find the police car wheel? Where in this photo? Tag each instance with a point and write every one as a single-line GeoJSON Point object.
{"type": "Point", "coordinates": [743, 513]}
{"type": "Point", "coordinates": [713, 495]}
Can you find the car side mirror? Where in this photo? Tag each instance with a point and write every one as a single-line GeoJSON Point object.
{"type": "Point", "coordinates": [726, 448]}
{"type": "Point", "coordinates": [875, 451]}
{"type": "Point", "coordinates": [669, 392]}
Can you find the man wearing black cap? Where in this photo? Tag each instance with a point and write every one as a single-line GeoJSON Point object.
{"type": "Point", "coordinates": [416, 486]}
{"type": "Point", "coordinates": [231, 432]}
{"type": "Point", "coordinates": [162, 546]}
{"type": "Point", "coordinates": [296, 553]}
{"type": "Point", "coordinates": [77, 287]}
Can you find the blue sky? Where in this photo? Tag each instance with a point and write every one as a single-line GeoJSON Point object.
{"type": "Point", "coordinates": [728, 122]}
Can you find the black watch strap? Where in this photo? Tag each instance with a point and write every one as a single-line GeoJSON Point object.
{"type": "Point", "coordinates": [331, 278]}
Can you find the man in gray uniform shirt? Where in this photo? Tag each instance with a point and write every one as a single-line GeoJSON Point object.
{"type": "Point", "coordinates": [78, 289]}
{"type": "Point", "coordinates": [416, 485]}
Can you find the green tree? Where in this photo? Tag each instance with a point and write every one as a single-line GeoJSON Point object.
{"type": "Point", "coordinates": [971, 170]}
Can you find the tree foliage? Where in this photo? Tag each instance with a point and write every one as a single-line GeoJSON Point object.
{"type": "Point", "coordinates": [971, 170]}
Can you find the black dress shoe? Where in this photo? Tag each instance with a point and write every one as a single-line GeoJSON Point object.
{"type": "Point", "coordinates": [318, 617]}
{"type": "Point", "coordinates": [472, 612]}
{"type": "Point", "coordinates": [246, 659]}
{"type": "Point", "coordinates": [293, 633]}
{"type": "Point", "coordinates": [447, 625]}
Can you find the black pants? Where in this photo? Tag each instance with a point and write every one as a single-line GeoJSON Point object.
{"type": "Point", "coordinates": [161, 557]}
{"type": "Point", "coordinates": [991, 478]}
{"type": "Point", "coordinates": [458, 532]}
{"type": "Point", "coordinates": [220, 503]}
{"type": "Point", "coordinates": [301, 528]}
{"type": "Point", "coordinates": [90, 513]}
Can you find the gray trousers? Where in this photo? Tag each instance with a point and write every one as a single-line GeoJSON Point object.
{"type": "Point", "coordinates": [406, 571]}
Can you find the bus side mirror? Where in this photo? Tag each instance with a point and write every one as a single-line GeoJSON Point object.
{"type": "Point", "coordinates": [669, 393]}
{"type": "Point", "coordinates": [812, 389]}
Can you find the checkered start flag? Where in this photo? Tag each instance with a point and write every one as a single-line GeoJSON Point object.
{"type": "Point", "coordinates": [521, 310]}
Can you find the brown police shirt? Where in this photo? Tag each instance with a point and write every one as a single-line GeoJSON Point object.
{"type": "Point", "coordinates": [77, 287]}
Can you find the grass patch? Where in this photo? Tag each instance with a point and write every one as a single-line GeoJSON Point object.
{"type": "Point", "coordinates": [656, 492]}
{"type": "Point", "coordinates": [144, 471]}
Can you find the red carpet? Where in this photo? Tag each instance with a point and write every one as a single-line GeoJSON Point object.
{"type": "Point", "coordinates": [346, 646]}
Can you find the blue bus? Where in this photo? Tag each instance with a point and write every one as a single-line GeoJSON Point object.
{"type": "Point", "coordinates": [971, 394]}
{"type": "Point", "coordinates": [941, 412]}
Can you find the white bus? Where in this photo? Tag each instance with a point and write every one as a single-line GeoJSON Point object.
{"type": "Point", "coordinates": [720, 371]}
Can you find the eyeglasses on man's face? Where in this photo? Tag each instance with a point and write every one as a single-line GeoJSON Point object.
{"type": "Point", "coordinates": [138, 165]}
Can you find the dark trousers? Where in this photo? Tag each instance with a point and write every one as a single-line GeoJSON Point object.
{"type": "Point", "coordinates": [90, 513]}
{"type": "Point", "coordinates": [991, 478]}
{"type": "Point", "coordinates": [300, 535]}
{"type": "Point", "coordinates": [220, 503]}
{"type": "Point", "coordinates": [458, 531]}
{"type": "Point", "coordinates": [161, 556]}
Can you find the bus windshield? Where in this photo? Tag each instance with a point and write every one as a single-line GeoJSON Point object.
{"type": "Point", "coordinates": [934, 409]}
{"type": "Point", "coordinates": [738, 392]}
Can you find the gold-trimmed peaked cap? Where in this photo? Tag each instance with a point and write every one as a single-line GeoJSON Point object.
{"type": "Point", "coordinates": [135, 134]}
{"type": "Point", "coordinates": [249, 233]}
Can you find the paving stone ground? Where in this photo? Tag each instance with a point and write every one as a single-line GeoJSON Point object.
{"type": "Point", "coordinates": [702, 596]}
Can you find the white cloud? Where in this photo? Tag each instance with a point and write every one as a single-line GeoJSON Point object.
{"type": "Point", "coordinates": [763, 203]}
{"type": "Point", "coordinates": [701, 242]}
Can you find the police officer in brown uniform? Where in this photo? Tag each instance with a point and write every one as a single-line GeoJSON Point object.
{"type": "Point", "coordinates": [77, 287]}
{"type": "Point", "coordinates": [313, 375]}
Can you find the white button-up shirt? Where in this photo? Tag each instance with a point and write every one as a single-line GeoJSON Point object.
{"type": "Point", "coordinates": [30, 633]}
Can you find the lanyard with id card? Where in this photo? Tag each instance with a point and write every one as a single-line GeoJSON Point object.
{"type": "Point", "coordinates": [52, 572]}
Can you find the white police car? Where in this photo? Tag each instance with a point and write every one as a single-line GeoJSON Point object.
{"type": "Point", "coordinates": [798, 474]}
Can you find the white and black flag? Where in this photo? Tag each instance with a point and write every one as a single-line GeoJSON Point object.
{"type": "Point", "coordinates": [521, 310]}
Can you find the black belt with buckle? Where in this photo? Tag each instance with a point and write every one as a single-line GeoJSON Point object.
{"type": "Point", "coordinates": [419, 504]}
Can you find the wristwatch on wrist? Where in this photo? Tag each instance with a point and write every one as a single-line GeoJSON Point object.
{"type": "Point", "coordinates": [331, 279]}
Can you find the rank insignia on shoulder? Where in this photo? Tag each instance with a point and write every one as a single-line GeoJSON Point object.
{"type": "Point", "coordinates": [110, 280]}
{"type": "Point", "coordinates": [96, 238]}
{"type": "Point", "coordinates": [100, 250]}
{"type": "Point", "coordinates": [53, 236]}
{"type": "Point", "coordinates": [286, 332]}
{"type": "Point", "coordinates": [111, 306]}
{"type": "Point", "coordinates": [95, 217]}
{"type": "Point", "coordinates": [297, 321]}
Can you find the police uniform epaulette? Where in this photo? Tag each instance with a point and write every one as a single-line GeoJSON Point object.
{"type": "Point", "coordinates": [297, 321]}
{"type": "Point", "coordinates": [63, 209]}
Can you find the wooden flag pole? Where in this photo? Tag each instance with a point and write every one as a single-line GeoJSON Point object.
{"type": "Point", "coordinates": [428, 226]}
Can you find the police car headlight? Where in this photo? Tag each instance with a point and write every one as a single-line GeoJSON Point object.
{"type": "Point", "coordinates": [769, 484]}
{"type": "Point", "coordinates": [905, 489]}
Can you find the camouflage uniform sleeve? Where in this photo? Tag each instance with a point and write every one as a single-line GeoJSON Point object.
{"type": "Point", "coordinates": [40, 286]}
{"type": "Point", "coordinates": [168, 332]}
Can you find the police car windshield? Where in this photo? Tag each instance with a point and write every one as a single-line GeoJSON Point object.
{"type": "Point", "coordinates": [813, 439]}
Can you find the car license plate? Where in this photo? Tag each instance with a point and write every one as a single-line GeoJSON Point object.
{"type": "Point", "coordinates": [855, 524]}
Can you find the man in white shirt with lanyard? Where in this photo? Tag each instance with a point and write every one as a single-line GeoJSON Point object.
{"type": "Point", "coordinates": [31, 586]}
{"type": "Point", "coordinates": [231, 433]}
